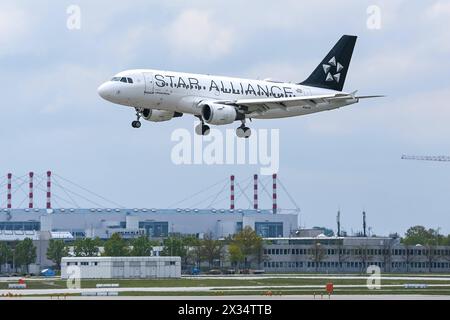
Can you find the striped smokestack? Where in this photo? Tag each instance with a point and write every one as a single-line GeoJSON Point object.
{"type": "Point", "coordinates": [274, 207]}
{"type": "Point", "coordinates": [232, 192]}
{"type": "Point", "coordinates": [49, 185]}
{"type": "Point", "coordinates": [8, 200]}
{"type": "Point", "coordinates": [30, 194]}
{"type": "Point", "coordinates": [255, 192]}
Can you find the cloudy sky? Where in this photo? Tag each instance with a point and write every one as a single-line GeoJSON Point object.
{"type": "Point", "coordinates": [348, 159]}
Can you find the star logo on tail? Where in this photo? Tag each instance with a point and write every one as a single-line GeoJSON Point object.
{"type": "Point", "coordinates": [333, 65]}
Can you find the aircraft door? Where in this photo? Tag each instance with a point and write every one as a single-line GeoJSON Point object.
{"type": "Point", "coordinates": [149, 83]}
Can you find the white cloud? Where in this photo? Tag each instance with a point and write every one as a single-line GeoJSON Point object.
{"type": "Point", "coordinates": [196, 33]}
{"type": "Point", "coordinates": [439, 9]}
{"type": "Point", "coordinates": [14, 25]}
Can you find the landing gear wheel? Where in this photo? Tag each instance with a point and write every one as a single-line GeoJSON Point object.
{"type": "Point", "coordinates": [243, 132]}
{"type": "Point", "coordinates": [136, 124]}
{"type": "Point", "coordinates": [202, 130]}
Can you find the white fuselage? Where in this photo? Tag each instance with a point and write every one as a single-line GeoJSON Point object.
{"type": "Point", "coordinates": [184, 92]}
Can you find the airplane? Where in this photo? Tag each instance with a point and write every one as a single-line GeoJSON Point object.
{"type": "Point", "coordinates": [217, 100]}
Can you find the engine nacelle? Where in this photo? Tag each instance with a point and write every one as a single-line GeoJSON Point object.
{"type": "Point", "coordinates": [218, 114]}
{"type": "Point", "coordinates": [156, 115]}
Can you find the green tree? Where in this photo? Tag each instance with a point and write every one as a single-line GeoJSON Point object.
{"type": "Point", "coordinates": [211, 249]}
{"type": "Point", "coordinates": [5, 254]}
{"type": "Point", "coordinates": [446, 241]}
{"type": "Point", "coordinates": [174, 246]}
{"type": "Point", "coordinates": [57, 249]}
{"type": "Point", "coordinates": [194, 252]}
{"type": "Point", "coordinates": [86, 247]}
{"type": "Point", "coordinates": [419, 235]}
{"type": "Point", "coordinates": [116, 246]}
{"type": "Point", "coordinates": [235, 253]}
{"type": "Point", "coordinates": [250, 245]}
{"type": "Point", "coordinates": [142, 246]}
{"type": "Point", "coordinates": [25, 253]}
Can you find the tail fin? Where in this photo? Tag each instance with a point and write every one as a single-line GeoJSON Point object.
{"type": "Point", "coordinates": [332, 71]}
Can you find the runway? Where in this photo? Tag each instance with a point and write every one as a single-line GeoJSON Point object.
{"type": "Point", "coordinates": [244, 297]}
{"type": "Point", "coordinates": [210, 289]}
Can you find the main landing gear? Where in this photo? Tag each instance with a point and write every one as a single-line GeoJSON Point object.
{"type": "Point", "coordinates": [137, 124]}
{"type": "Point", "coordinates": [243, 131]}
{"type": "Point", "coordinates": [202, 129]}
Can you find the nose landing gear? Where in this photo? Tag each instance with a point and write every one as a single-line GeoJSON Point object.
{"type": "Point", "coordinates": [137, 124]}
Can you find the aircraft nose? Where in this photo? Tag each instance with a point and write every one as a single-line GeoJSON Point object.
{"type": "Point", "coordinates": [104, 91]}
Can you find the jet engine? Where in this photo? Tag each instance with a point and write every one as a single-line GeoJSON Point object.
{"type": "Point", "coordinates": [219, 114]}
{"type": "Point", "coordinates": [156, 115]}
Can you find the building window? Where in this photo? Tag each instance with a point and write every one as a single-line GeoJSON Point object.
{"type": "Point", "coordinates": [155, 229]}
{"type": "Point", "coordinates": [269, 229]}
{"type": "Point", "coordinates": [20, 225]}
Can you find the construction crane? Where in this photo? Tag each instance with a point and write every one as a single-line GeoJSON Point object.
{"type": "Point", "coordinates": [427, 158]}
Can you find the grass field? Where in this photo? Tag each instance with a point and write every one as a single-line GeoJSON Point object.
{"type": "Point", "coordinates": [283, 285]}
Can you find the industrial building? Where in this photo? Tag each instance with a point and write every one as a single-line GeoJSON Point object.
{"type": "Point", "coordinates": [130, 223]}
{"type": "Point", "coordinates": [352, 255]}
{"type": "Point", "coordinates": [120, 267]}
{"type": "Point", "coordinates": [155, 223]}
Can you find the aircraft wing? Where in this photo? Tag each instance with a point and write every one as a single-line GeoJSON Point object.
{"type": "Point", "coordinates": [262, 105]}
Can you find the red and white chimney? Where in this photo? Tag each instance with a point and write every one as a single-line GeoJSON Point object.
{"type": "Point", "coordinates": [30, 193]}
{"type": "Point", "coordinates": [8, 200]}
{"type": "Point", "coordinates": [232, 192]}
{"type": "Point", "coordinates": [274, 197]}
{"type": "Point", "coordinates": [255, 192]}
{"type": "Point", "coordinates": [49, 185]}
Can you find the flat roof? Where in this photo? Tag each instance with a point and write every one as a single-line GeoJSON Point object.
{"type": "Point", "coordinates": [136, 210]}
{"type": "Point", "coordinates": [125, 258]}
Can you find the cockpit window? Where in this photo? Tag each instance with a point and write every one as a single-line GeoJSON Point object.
{"type": "Point", "coordinates": [122, 79]}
